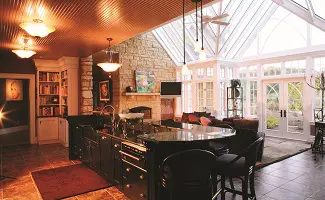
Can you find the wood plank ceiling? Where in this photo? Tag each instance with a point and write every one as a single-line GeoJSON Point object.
{"type": "Point", "coordinates": [82, 26]}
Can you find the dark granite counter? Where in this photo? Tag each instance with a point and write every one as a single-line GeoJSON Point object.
{"type": "Point", "coordinates": [197, 134]}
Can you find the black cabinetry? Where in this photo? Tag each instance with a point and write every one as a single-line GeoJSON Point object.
{"type": "Point", "coordinates": [106, 167]}
{"type": "Point", "coordinates": [90, 154]}
{"type": "Point", "coordinates": [117, 163]}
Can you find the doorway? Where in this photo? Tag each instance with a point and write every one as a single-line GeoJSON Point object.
{"type": "Point", "coordinates": [283, 108]}
{"type": "Point", "coordinates": [204, 96]}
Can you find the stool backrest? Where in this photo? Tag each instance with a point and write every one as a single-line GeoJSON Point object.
{"type": "Point", "coordinates": [242, 140]}
{"type": "Point", "coordinates": [187, 174]}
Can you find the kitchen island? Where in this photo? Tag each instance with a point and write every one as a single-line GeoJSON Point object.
{"type": "Point", "coordinates": [132, 161]}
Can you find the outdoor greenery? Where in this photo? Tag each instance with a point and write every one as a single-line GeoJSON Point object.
{"type": "Point", "coordinates": [295, 96]}
{"type": "Point", "coordinates": [272, 122]}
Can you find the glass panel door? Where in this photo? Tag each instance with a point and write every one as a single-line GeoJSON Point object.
{"type": "Point", "coordinates": [283, 108]}
{"type": "Point", "coordinates": [271, 106]}
{"type": "Point", "coordinates": [209, 96]}
{"type": "Point", "coordinates": [204, 96]}
{"type": "Point", "coordinates": [294, 109]}
{"type": "Point", "coordinates": [200, 99]}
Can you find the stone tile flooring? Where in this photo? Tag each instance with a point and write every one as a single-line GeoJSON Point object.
{"type": "Point", "coordinates": [298, 177]}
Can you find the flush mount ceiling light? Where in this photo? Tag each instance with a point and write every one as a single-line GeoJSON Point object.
{"type": "Point", "coordinates": [37, 28]}
{"type": "Point", "coordinates": [24, 53]}
{"type": "Point", "coordinates": [109, 65]}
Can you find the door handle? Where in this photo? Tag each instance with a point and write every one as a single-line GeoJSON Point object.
{"type": "Point", "coordinates": [285, 113]}
{"type": "Point", "coordinates": [281, 113]}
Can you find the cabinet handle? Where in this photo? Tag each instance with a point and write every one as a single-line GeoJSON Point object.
{"type": "Point", "coordinates": [142, 195]}
{"type": "Point", "coordinates": [128, 186]}
{"type": "Point", "coordinates": [128, 169]}
{"type": "Point", "coordinates": [141, 177]}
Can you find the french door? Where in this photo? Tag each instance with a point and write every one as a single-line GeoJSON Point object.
{"type": "Point", "coordinates": [283, 108]}
{"type": "Point", "coordinates": [204, 96]}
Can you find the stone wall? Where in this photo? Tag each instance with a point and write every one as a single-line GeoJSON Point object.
{"type": "Point", "coordinates": [86, 101]}
{"type": "Point", "coordinates": [142, 52]}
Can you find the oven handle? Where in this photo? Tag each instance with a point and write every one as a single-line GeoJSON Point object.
{"type": "Point", "coordinates": [131, 156]}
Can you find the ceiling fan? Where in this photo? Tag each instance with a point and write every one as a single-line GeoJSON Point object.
{"type": "Point", "coordinates": [219, 19]}
{"type": "Point", "coordinates": [215, 20]}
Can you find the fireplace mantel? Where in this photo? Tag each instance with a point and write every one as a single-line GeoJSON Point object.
{"type": "Point", "coordinates": [140, 94]}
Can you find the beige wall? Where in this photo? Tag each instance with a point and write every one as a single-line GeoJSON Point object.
{"type": "Point", "coordinates": [142, 52]}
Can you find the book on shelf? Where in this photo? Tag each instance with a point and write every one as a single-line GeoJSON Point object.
{"type": "Point", "coordinates": [49, 111]}
{"type": "Point", "coordinates": [49, 76]}
{"type": "Point", "coordinates": [48, 89]}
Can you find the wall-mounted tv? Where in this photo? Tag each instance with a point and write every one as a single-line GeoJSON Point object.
{"type": "Point", "coordinates": [172, 89]}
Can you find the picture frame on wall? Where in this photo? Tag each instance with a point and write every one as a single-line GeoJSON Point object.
{"type": "Point", "coordinates": [104, 93]}
{"type": "Point", "coordinates": [14, 90]}
{"type": "Point", "coordinates": [145, 81]}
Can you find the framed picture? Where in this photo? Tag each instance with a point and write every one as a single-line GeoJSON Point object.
{"type": "Point", "coordinates": [104, 94]}
{"type": "Point", "coordinates": [14, 90]}
{"type": "Point", "coordinates": [145, 81]}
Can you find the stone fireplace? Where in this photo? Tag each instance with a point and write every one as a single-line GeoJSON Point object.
{"type": "Point", "coordinates": [142, 109]}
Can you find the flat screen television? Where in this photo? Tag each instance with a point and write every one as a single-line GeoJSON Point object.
{"type": "Point", "coordinates": [172, 89]}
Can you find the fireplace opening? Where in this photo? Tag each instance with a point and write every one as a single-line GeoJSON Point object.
{"type": "Point", "coordinates": [142, 109]}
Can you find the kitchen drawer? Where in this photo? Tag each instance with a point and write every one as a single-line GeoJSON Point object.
{"type": "Point", "coordinates": [134, 182]}
{"type": "Point", "coordinates": [116, 146]}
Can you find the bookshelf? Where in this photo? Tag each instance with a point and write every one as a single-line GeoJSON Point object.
{"type": "Point", "coordinates": [57, 97]}
{"type": "Point", "coordinates": [64, 93]}
{"type": "Point", "coordinates": [48, 94]}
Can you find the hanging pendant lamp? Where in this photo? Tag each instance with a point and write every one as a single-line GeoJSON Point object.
{"type": "Point", "coordinates": [109, 65]}
{"type": "Point", "coordinates": [202, 55]}
{"type": "Point", "coordinates": [24, 52]}
{"type": "Point", "coordinates": [37, 28]}
{"type": "Point", "coordinates": [184, 68]}
{"type": "Point", "coordinates": [197, 43]}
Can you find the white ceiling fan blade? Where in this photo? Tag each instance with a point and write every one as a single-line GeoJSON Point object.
{"type": "Point", "coordinates": [220, 16]}
{"type": "Point", "coordinates": [220, 23]}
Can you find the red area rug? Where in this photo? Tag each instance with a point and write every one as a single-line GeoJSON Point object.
{"type": "Point", "coordinates": [67, 181]}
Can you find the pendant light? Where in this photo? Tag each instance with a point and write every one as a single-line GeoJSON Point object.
{"type": "Point", "coordinates": [197, 43]}
{"type": "Point", "coordinates": [37, 28]}
{"type": "Point", "coordinates": [184, 68]}
{"type": "Point", "coordinates": [202, 55]}
{"type": "Point", "coordinates": [23, 52]}
{"type": "Point", "coordinates": [109, 65]}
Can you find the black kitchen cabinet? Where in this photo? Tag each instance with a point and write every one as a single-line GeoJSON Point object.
{"type": "Point", "coordinates": [117, 162]}
{"type": "Point", "coordinates": [77, 141]}
{"type": "Point", "coordinates": [91, 154]}
{"type": "Point", "coordinates": [134, 181]}
{"type": "Point", "coordinates": [106, 166]}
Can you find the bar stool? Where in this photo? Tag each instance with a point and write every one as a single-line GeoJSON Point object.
{"type": "Point", "coordinates": [188, 175]}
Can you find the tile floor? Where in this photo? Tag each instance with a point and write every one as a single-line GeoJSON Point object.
{"type": "Point", "coordinates": [298, 177]}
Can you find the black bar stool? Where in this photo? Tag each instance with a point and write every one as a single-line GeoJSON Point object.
{"type": "Point", "coordinates": [188, 175]}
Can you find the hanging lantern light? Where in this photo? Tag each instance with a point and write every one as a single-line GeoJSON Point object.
{"type": "Point", "coordinates": [109, 65]}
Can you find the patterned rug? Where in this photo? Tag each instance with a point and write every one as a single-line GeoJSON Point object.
{"type": "Point", "coordinates": [277, 149]}
{"type": "Point", "coordinates": [67, 181]}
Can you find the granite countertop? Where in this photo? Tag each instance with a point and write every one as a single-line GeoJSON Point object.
{"type": "Point", "coordinates": [188, 135]}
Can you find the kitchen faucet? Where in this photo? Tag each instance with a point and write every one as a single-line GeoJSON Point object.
{"type": "Point", "coordinates": [103, 113]}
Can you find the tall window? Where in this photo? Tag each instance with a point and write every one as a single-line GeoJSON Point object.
{"type": "Point", "coordinates": [273, 69]}
{"type": "Point", "coordinates": [295, 67]}
{"type": "Point", "coordinates": [253, 97]}
{"type": "Point", "coordinates": [319, 66]}
{"type": "Point", "coordinates": [210, 72]}
{"type": "Point", "coordinates": [247, 76]}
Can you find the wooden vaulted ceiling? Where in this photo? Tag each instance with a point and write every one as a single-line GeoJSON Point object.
{"type": "Point", "coordinates": [82, 26]}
